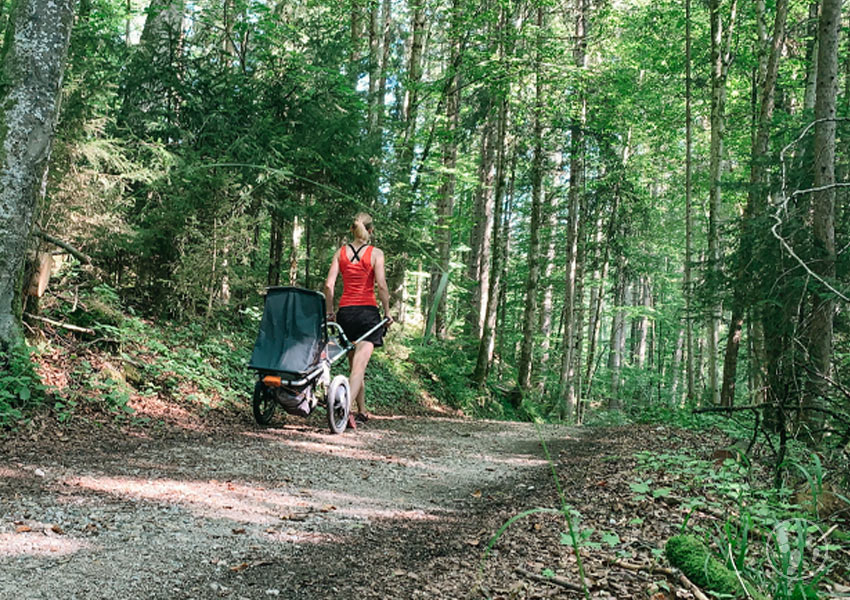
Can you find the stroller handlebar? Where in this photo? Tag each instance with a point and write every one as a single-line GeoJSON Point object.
{"type": "Point", "coordinates": [348, 345]}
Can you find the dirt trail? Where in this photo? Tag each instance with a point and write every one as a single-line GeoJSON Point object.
{"type": "Point", "coordinates": [402, 508]}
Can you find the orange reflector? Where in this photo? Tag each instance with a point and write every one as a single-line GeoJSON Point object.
{"type": "Point", "coordinates": [271, 381]}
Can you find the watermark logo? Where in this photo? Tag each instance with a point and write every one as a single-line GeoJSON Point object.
{"type": "Point", "coordinates": [797, 549]}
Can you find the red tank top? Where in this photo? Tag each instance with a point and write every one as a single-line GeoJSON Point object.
{"type": "Point", "coordinates": [358, 279]}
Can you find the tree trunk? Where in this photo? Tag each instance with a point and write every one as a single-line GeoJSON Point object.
{"type": "Point", "coordinates": [687, 282]}
{"type": "Point", "coordinates": [675, 367]}
{"type": "Point", "coordinates": [617, 344]}
{"type": "Point", "coordinates": [294, 245]}
{"type": "Point", "coordinates": [756, 204]}
{"type": "Point", "coordinates": [643, 323]}
{"type": "Point", "coordinates": [823, 211]}
{"type": "Point", "coordinates": [374, 63]}
{"type": "Point", "coordinates": [575, 376]}
{"type": "Point", "coordinates": [548, 292]}
{"type": "Point", "coordinates": [404, 172]}
{"type": "Point", "coordinates": [720, 59]}
{"type": "Point", "coordinates": [504, 251]}
{"type": "Point", "coordinates": [445, 208]}
{"type": "Point", "coordinates": [355, 35]}
{"type": "Point", "coordinates": [478, 269]}
{"type": "Point", "coordinates": [275, 249]}
{"type": "Point", "coordinates": [163, 27]}
{"type": "Point", "coordinates": [533, 279]}
{"type": "Point", "coordinates": [567, 387]}
{"type": "Point", "coordinates": [386, 40]}
{"type": "Point", "coordinates": [485, 346]}
{"type": "Point", "coordinates": [811, 58]}
{"type": "Point", "coordinates": [597, 302]}
{"type": "Point", "coordinates": [34, 63]}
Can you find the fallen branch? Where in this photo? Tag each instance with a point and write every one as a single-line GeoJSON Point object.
{"type": "Point", "coordinates": [676, 575]}
{"type": "Point", "coordinates": [67, 326]}
{"type": "Point", "coordinates": [565, 583]}
{"type": "Point", "coordinates": [80, 256]}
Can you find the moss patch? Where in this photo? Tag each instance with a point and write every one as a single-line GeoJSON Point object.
{"type": "Point", "coordinates": [694, 559]}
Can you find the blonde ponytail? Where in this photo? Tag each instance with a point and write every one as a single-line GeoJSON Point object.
{"type": "Point", "coordinates": [362, 226]}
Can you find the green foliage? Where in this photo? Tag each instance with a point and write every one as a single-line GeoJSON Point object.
{"type": "Point", "coordinates": [688, 553]}
{"type": "Point", "coordinates": [445, 368]}
{"type": "Point", "coordinates": [21, 390]}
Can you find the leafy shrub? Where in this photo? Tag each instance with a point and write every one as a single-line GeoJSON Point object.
{"type": "Point", "coordinates": [20, 387]}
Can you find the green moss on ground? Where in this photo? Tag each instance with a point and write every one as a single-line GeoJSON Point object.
{"type": "Point", "coordinates": [688, 554]}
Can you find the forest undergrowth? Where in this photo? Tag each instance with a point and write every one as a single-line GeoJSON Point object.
{"type": "Point", "coordinates": [643, 478]}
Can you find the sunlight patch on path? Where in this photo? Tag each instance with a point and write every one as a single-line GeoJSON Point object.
{"type": "Point", "coordinates": [39, 543]}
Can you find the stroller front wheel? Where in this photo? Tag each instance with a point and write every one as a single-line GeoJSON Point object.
{"type": "Point", "coordinates": [264, 403]}
{"type": "Point", "coordinates": [339, 403]}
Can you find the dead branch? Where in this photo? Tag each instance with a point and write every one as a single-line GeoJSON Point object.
{"type": "Point", "coordinates": [67, 326]}
{"type": "Point", "coordinates": [676, 575]}
{"type": "Point", "coordinates": [80, 256]}
{"type": "Point", "coordinates": [565, 583]}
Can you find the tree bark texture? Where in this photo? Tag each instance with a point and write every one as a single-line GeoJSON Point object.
{"type": "Point", "coordinates": [486, 345]}
{"type": "Point", "coordinates": [617, 344]}
{"type": "Point", "coordinates": [823, 208]}
{"type": "Point", "coordinates": [597, 299]}
{"type": "Point", "coordinates": [533, 279]}
{"type": "Point", "coordinates": [374, 63]}
{"type": "Point", "coordinates": [567, 385]}
{"type": "Point", "coordinates": [687, 282]}
{"type": "Point", "coordinates": [548, 291]}
{"type": "Point", "coordinates": [33, 69]}
{"type": "Point", "coordinates": [720, 58]}
{"type": "Point", "coordinates": [445, 208]}
{"type": "Point", "coordinates": [756, 204]}
{"type": "Point", "coordinates": [478, 268]}
{"type": "Point", "coordinates": [404, 170]}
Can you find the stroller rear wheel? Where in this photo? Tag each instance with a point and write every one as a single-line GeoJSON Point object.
{"type": "Point", "coordinates": [339, 403]}
{"type": "Point", "coordinates": [264, 403]}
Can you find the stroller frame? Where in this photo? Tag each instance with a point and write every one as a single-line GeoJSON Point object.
{"type": "Point", "coordinates": [298, 391]}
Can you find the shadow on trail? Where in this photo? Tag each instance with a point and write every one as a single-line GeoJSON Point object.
{"type": "Point", "coordinates": [397, 508]}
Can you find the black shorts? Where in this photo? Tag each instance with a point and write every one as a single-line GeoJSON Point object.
{"type": "Point", "coordinates": [357, 320]}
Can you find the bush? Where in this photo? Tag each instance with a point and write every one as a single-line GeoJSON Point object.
{"type": "Point", "coordinates": [20, 387]}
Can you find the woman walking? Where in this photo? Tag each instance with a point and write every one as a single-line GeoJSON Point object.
{"type": "Point", "coordinates": [362, 268]}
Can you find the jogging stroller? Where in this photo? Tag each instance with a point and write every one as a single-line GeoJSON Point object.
{"type": "Point", "coordinates": [293, 356]}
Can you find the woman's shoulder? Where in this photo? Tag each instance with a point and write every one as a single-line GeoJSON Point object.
{"type": "Point", "coordinates": [377, 252]}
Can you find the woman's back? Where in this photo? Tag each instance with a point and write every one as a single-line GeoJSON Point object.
{"type": "Point", "coordinates": [358, 276]}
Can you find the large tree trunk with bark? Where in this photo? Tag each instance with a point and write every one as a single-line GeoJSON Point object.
{"type": "Point", "coordinates": [374, 63]}
{"type": "Point", "coordinates": [37, 45]}
{"type": "Point", "coordinates": [548, 291]}
{"type": "Point", "coordinates": [533, 279]}
{"type": "Point", "coordinates": [720, 58]}
{"type": "Point", "coordinates": [567, 384]}
{"type": "Point", "coordinates": [823, 212]}
{"type": "Point", "coordinates": [687, 283]}
{"type": "Point", "coordinates": [445, 207]}
{"type": "Point", "coordinates": [487, 343]}
{"type": "Point", "coordinates": [478, 267]}
{"type": "Point", "coordinates": [617, 344]}
{"type": "Point", "coordinates": [396, 268]}
{"type": "Point", "coordinates": [756, 204]}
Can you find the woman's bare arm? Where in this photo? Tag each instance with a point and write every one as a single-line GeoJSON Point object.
{"type": "Point", "coordinates": [330, 283]}
{"type": "Point", "coordinates": [381, 280]}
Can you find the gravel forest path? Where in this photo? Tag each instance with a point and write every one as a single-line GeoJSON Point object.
{"type": "Point", "coordinates": [401, 508]}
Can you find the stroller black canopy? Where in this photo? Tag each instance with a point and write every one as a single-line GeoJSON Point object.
{"type": "Point", "coordinates": [292, 332]}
